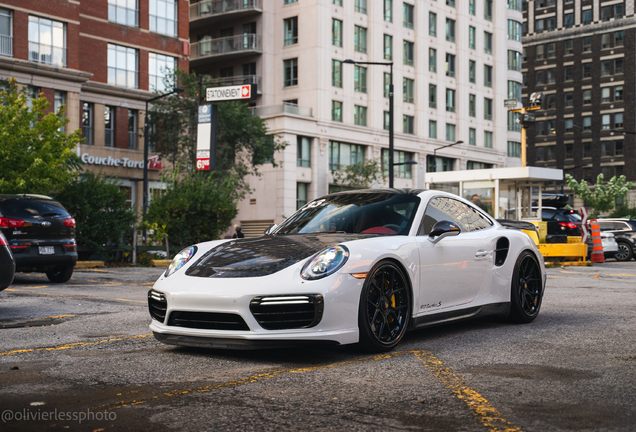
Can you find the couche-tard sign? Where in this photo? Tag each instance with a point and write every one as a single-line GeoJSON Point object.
{"type": "Point", "coordinates": [153, 162]}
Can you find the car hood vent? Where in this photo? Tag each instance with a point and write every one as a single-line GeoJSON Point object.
{"type": "Point", "coordinates": [264, 255]}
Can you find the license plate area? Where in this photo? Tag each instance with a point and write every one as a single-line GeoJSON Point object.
{"type": "Point", "coordinates": [46, 250]}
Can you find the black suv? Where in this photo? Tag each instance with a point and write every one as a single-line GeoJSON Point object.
{"type": "Point", "coordinates": [625, 233]}
{"type": "Point", "coordinates": [561, 224]}
{"type": "Point", "coordinates": [41, 235]}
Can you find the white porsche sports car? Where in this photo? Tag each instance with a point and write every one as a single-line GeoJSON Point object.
{"type": "Point", "coordinates": [350, 267]}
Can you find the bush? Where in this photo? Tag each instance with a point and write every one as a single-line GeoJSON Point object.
{"type": "Point", "coordinates": [198, 208]}
{"type": "Point", "coordinates": [624, 212]}
{"type": "Point", "coordinates": [100, 209]}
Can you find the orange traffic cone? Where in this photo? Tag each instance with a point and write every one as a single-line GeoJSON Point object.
{"type": "Point", "coordinates": [597, 246]}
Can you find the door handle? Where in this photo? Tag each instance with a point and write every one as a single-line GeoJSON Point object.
{"type": "Point", "coordinates": [481, 254]}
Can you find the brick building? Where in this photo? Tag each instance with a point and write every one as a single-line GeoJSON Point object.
{"type": "Point", "coordinates": [582, 55]}
{"type": "Point", "coordinates": [101, 59]}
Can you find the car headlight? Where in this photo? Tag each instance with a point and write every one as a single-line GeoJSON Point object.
{"type": "Point", "coordinates": [181, 259]}
{"type": "Point", "coordinates": [325, 263]}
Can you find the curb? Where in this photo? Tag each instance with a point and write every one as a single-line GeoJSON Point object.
{"type": "Point", "coordinates": [160, 263]}
{"type": "Point", "coordinates": [89, 264]}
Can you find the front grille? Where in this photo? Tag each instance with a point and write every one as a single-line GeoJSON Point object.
{"type": "Point", "coordinates": [287, 312]}
{"type": "Point", "coordinates": [207, 320]}
{"type": "Point", "coordinates": [157, 305]}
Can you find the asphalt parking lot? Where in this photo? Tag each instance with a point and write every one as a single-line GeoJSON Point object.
{"type": "Point", "coordinates": [79, 356]}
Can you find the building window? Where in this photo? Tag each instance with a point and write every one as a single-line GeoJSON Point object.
{"type": "Point", "coordinates": [515, 30]}
{"type": "Point", "coordinates": [432, 60]}
{"type": "Point", "coordinates": [450, 100]}
{"type": "Point", "coordinates": [408, 124]}
{"type": "Point", "coordinates": [360, 79]}
{"type": "Point", "coordinates": [132, 129]}
{"type": "Point", "coordinates": [471, 37]}
{"type": "Point", "coordinates": [388, 47]}
{"type": "Point", "coordinates": [408, 90]}
{"type": "Point", "coordinates": [450, 132]}
{"type": "Point", "coordinates": [303, 151]}
{"type": "Point", "coordinates": [432, 129]}
{"type": "Point", "coordinates": [488, 10]}
{"type": "Point", "coordinates": [342, 155]}
{"type": "Point", "coordinates": [432, 24]}
{"type": "Point", "coordinates": [587, 70]}
{"type": "Point", "coordinates": [488, 42]}
{"type": "Point", "coordinates": [290, 72]}
{"type": "Point", "coordinates": [488, 76]}
{"type": "Point", "coordinates": [87, 122]}
{"type": "Point", "coordinates": [472, 105]}
{"type": "Point", "coordinates": [587, 97]}
{"type": "Point", "coordinates": [569, 153]}
{"type": "Point", "coordinates": [568, 20]}
{"type": "Point", "coordinates": [587, 149]}
{"type": "Point", "coordinates": [618, 120]}
{"type": "Point", "coordinates": [432, 96]}
{"type": "Point", "coordinates": [450, 65]}
{"type": "Point", "coordinates": [550, 50]}
{"type": "Point", "coordinates": [618, 66]}
{"type": "Point", "coordinates": [618, 38]}
{"type": "Point", "coordinates": [587, 124]}
{"type": "Point", "coordinates": [568, 46]}
{"type": "Point", "coordinates": [163, 17]}
{"type": "Point", "coordinates": [538, 77]}
{"type": "Point", "coordinates": [339, 2]}
{"type": "Point", "coordinates": [400, 171]}
{"type": "Point", "coordinates": [6, 32]}
{"type": "Point", "coordinates": [123, 66]}
{"type": "Point", "coordinates": [586, 16]}
{"type": "Point", "coordinates": [472, 136]}
{"type": "Point", "coordinates": [487, 109]}
{"type": "Point", "coordinates": [291, 31]}
{"type": "Point", "coordinates": [569, 125]}
{"type": "Point", "coordinates": [606, 40]}
{"type": "Point", "coordinates": [514, 60]}
{"type": "Point", "coordinates": [387, 120]}
{"type": "Point", "coordinates": [472, 9]}
{"type": "Point", "coordinates": [472, 71]}
{"type": "Point", "coordinates": [450, 30]}
{"type": "Point", "coordinates": [550, 102]}
{"type": "Point", "coordinates": [618, 93]}
{"type": "Point", "coordinates": [336, 111]}
{"type": "Point", "coordinates": [388, 10]}
{"type": "Point", "coordinates": [360, 39]}
{"type": "Point", "coordinates": [605, 95]}
{"type": "Point", "coordinates": [336, 73]}
{"type": "Point", "coordinates": [408, 14]}
{"type": "Point", "coordinates": [618, 148]}
{"type": "Point", "coordinates": [124, 12]}
{"type": "Point", "coordinates": [487, 139]}
{"type": "Point", "coordinates": [387, 85]}
{"type": "Point", "coordinates": [551, 75]}
{"type": "Point", "coordinates": [159, 68]}
{"type": "Point", "coordinates": [606, 67]}
{"type": "Point", "coordinates": [360, 6]}
{"type": "Point", "coordinates": [360, 115]}
{"type": "Point", "coordinates": [47, 41]}
{"type": "Point", "coordinates": [567, 73]}
{"type": "Point", "coordinates": [514, 149]}
{"type": "Point", "coordinates": [336, 32]}
{"type": "Point", "coordinates": [409, 48]}
{"type": "Point", "coordinates": [302, 192]}
{"type": "Point", "coordinates": [109, 126]}
{"type": "Point", "coordinates": [614, 11]}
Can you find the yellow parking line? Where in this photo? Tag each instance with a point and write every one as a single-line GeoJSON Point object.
{"type": "Point", "coordinates": [486, 414]}
{"type": "Point", "coordinates": [71, 345]}
{"type": "Point", "coordinates": [77, 296]}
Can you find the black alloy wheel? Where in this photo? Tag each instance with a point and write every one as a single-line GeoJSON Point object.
{"type": "Point", "coordinates": [624, 252]}
{"type": "Point", "coordinates": [527, 289]}
{"type": "Point", "coordinates": [385, 308]}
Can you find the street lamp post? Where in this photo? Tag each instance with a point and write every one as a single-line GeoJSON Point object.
{"type": "Point", "coordinates": [390, 64]}
{"type": "Point", "coordinates": [439, 148]}
{"type": "Point", "coordinates": [144, 207]}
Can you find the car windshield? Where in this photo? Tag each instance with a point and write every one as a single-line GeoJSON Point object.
{"type": "Point", "coordinates": [355, 212]}
{"type": "Point", "coordinates": [31, 208]}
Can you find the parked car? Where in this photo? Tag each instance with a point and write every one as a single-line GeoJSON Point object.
{"type": "Point", "coordinates": [41, 235]}
{"type": "Point", "coordinates": [624, 231]}
{"type": "Point", "coordinates": [350, 267]}
{"type": "Point", "coordinates": [7, 264]}
{"type": "Point", "coordinates": [562, 223]}
{"type": "Point", "coordinates": [608, 241]}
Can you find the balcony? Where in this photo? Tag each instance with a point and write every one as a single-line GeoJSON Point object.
{"type": "Point", "coordinates": [284, 108]}
{"type": "Point", "coordinates": [47, 54]}
{"type": "Point", "coordinates": [237, 80]}
{"type": "Point", "coordinates": [225, 48]}
{"type": "Point", "coordinates": [6, 45]}
{"type": "Point", "coordinates": [210, 11]}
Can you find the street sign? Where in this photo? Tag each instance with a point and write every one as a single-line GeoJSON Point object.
{"type": "Point", "coordinates": [239, 92]}
{"type": "Point", "coordinates": [510, 103]}
{"type": "Point", "coordinates": [206, 138]}
{"type": "Point", "coordinates": [584, 232]}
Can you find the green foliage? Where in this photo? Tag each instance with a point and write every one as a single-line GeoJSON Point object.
{"type": "Point", "coordinates": [196, 208]}
{"type": "Point", "coordinates": [35, 156]}
{"type": "Point", "coordinates": [99, 208]}
{"type": "Point", "coordinates": [360, 175]}
{"type": "Point", "coordinates": [624, 211]}
{"type": "Point", "coordinates": [603, 196]}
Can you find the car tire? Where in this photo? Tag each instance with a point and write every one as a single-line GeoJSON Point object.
{"type": "Point", "coordinates": [624, 253]}
{"type": "Point", "coordinates": [60, 274]}
{"type": "Point", "coordinates": [385, 308]}
{"type": "Point", "coordinates": [526, 291]}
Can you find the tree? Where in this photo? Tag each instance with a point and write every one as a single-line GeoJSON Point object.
{"type": "Point", "coordinates": [360, 175]}
{"type": "Point", "coordinates": [603, 197]}
{"type": "Point", "coordinates": [36, 156]}
{"type": "Point", "coordinates": [195, 208]}
{"type": "Point", "coordinates": [100, 209]}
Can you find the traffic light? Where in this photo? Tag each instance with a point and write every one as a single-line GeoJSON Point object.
{"type": "Point", "coordinates": [536, 99]}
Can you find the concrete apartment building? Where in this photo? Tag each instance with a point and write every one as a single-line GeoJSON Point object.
{"type": "Point", "coordinates": [101, 59]}
{"type": "Point", "coordinates": [581, 55]}
{"type": "Point", "coordinates": [454, 64]}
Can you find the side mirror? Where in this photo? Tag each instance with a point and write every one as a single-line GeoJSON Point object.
{"type": "Point", "coordinates": [443, 229]}
{"type": "Point", "coordinates": [269, 229]}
